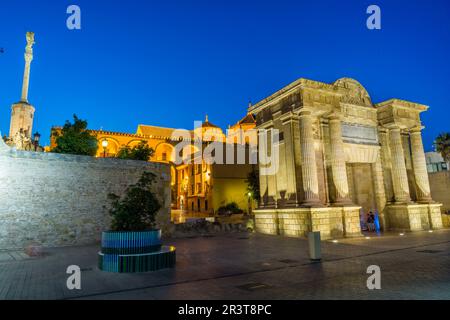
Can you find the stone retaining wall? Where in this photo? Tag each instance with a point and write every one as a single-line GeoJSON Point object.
{"type": "Point", "coordinates": [56, 200]}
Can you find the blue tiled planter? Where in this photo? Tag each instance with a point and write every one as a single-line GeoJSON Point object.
{"type": "Point", "coordinates": [135, 251]}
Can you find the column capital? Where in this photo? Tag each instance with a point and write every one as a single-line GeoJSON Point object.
{"type": "Point", "coordinates": [417, 129]}
{"type": "Point", "coordinates": [289, 117]}
{"type": "Point", "coordinates": [304, 112]}
{"type": "Point", "coordinates": [335, 117]}
{"type": "Point", "coordinates": [395, 129]}
{"type": "Point", "coordinates": [383, 130]}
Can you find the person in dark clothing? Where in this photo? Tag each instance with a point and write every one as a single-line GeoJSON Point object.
{"type": "Point", "coordinates": [371, 221]}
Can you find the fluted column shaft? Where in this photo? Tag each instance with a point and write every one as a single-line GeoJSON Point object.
{"type": "Point", "coordinates": [289, 158]}
{"type": "Point", "coordinates": [385, 154]}
{"type": "Point", "coordinates": [263, 180]}
{"type": "Point", "coordinates": [399, 174]}
{"type": "Point", "coordinates": [420, 166]}
{"type": "Point", "coordinates": [308, 154]}
{"type": "Point", "coordinates": [380, 195]}
{"type": "Point", "coordinates": [338, 167]}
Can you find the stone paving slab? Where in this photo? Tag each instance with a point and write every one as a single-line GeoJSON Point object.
{"type": "Point", "coordinates": [413, 266]}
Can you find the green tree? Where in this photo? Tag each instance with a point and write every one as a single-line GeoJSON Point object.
{"type": "Point", "coordinates": [75, 139]}
{"type": "Point", "coordinates": [140, 152]}
{"type": "Point", "coordinates": [138, 208]}
{"type": "Point", "coordinates": [442, 145]}
{"type": "Point", "coordinates": [253, 184]}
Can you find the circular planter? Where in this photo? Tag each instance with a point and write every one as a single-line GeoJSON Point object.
{"type": "Point", "coordinates": [134, 251]}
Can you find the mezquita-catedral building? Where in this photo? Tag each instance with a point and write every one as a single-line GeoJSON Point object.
{"type": "Point", "coordinates": [199, 188]}
{"type": "Point", "coordinates": [341, 156]}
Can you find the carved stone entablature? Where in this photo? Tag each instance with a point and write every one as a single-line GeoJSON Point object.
{"type": "Point", "coordinates": [263, 117]}
{"type": "Point", "coordinates": [358, 114]}
{"type": "Point", "coordinates": [400, 113]}
{"type": "Point", "coordinates": [319, 99]}
{"type": "Point", "coordinates": [294, 88]}
{"type": "Point", "coordinates": [359, 134]}
{"type": "Point", "coordinates": [290, 102]}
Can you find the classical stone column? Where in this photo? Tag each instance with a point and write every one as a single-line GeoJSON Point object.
{"type": "Point", "coordinates": [289, 157]}
{"type": "Point", "coordinates": [308, 155]}
{"type": "Point", "coordinates": [338, 166]}
{"type": "Point", "coordinates": [386, 163]}
{"type": "Point", "coordinates": [263, 181]}
{"type": "Point", "coordinates": [272, 187]}
{"type": "Point", "coordinates": [420, 166]}
{"type": "Point", "coordinates": [380, 195]}
{"type": "Point", "coordinates": [399, 174]}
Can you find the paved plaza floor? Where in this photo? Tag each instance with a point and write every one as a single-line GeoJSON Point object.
{"type": "Point", "coordinates": [246, 266]}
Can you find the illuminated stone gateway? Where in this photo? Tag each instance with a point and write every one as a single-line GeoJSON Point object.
{"type": "Point", "coordinates": [341, 156]}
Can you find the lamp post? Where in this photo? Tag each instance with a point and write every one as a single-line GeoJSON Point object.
{"type": "Point", "coordinates": [36, 138]}
{"type": "Point", "coordinates": [104, 145]}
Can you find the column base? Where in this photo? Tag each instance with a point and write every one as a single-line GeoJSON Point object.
{"type": "Point", "coordinates": [413, 216]}
{"type": "Point", "coordinates": [331, 222]}
{"type": "Point", "coordinates": [426, 201]}
{"type": "Point", "coordinates": [343, 203]}
{"type": "Point", "coordinates": [311, 204]}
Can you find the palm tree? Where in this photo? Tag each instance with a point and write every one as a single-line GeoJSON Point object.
{"type": "Point", "coordinates": [442, 145]}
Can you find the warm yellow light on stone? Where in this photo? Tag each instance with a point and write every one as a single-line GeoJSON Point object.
{"type": "Point", "coordinates": [343, 156]}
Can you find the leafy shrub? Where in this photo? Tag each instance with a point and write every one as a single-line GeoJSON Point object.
{"type": "Point", "coordinates": [138, 208]}
{"type": "Point", "coordinates": [140, 152]}
{"type": "Point", "coordinates": [75, 139]}
{"type": "Point", "coordinates": [230, 208]}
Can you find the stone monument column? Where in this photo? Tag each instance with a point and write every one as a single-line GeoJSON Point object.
{"type": "Point", "coordinates": [420, 166]}
{"type": "Point", "coordinates": [26, 72]}
{"type": "Point", "coordinates": [399, 174]}
{"type": "Point", "coordinates": [22, 112]}
{"type": "Point", "coordinates": [308, 155]}
{"type": "Point", "coordinates": [338, 167]}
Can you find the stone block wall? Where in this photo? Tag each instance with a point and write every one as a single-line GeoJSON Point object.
{"type": "Point", "coordinates": [440, 192]}
{"type": "Point", "coordinates": [266, 222]}
{"type": "Point", "coordinates": [414, 217]}
{"type": "Point", "coordinates": [293, 223]}
{"type": "Point", "coordinates": [331, 222]}
{"type": "Point", "coordinates": [57, 200]}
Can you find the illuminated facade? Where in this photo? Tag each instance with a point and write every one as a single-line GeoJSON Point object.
{"type": "Point", "coordinates": [341, 156]}
{"type": "Point", "coordinates": [196, 188]}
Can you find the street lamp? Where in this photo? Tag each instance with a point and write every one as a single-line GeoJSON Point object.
{"type": "Point", "coordinates": [36, 138]}
{"type": "Point", "coordinates": [104, 145]}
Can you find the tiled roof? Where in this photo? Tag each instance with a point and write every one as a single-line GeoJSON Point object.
{"type": "Point", "coordinates": [154, 131]}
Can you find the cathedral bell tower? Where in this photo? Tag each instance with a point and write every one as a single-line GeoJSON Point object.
{"type": "Point", "coordinates": [22, 113]}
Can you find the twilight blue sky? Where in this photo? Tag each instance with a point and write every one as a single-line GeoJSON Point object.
{"type": "Point", "coordinates": [168, 63]}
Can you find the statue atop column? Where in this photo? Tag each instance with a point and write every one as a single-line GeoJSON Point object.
{"type": "Point", "coordinates": [28, 59]}
{"type": "Point", "coordinates": [22, 114]}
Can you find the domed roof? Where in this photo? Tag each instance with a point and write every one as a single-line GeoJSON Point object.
{"type": "Point", "coordinates": [208, 124]}
{"type": "Point", "coordinates": [353, 91]}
